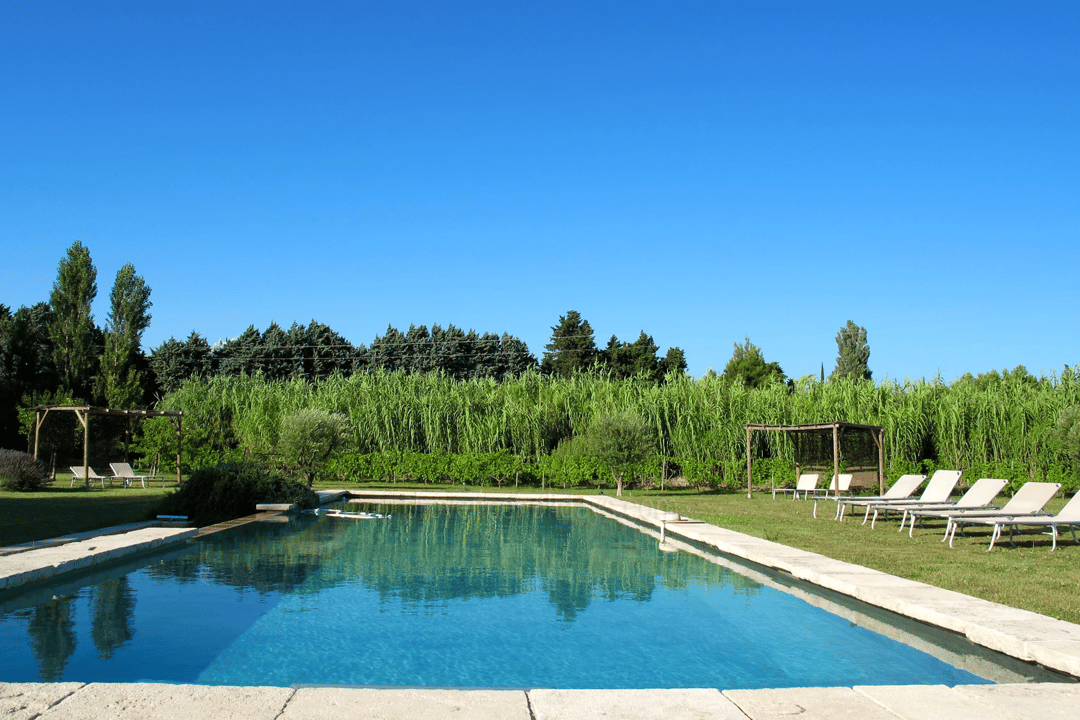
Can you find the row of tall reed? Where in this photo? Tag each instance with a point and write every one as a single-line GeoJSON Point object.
{"type": "Point", "coordinates": [959, 425]}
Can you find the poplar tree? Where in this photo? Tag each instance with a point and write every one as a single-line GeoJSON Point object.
{"type": "Point", "coordinates": [852, 353]}
{"type": "Point", "coordinates": [71, 328]}
{"type": "Point", "coordinates": [120, 382]}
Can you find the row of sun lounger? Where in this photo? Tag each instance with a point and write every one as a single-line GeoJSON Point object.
{"type": "Point", "coordinates": [121, 471]}
{"type": "Point", "coordinates": [976, 506]}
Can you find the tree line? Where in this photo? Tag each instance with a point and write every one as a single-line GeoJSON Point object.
{"type": "Point", "coordinates": [1007, 425]}
{"type": "Point", "coordinates": [53, 352]}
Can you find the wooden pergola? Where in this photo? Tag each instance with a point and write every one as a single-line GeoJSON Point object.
{"type": "Point", "coordinates": [83, 413]}
{"type": "Point", "coordinates": [836, 429]}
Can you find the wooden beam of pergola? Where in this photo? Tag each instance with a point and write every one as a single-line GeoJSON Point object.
{"type": "Point", "coordinates": [83, 413]}
{"type": "Point", "coordinates": [836, 429]}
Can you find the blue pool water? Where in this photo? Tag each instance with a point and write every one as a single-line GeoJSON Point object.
{"type": "Point", "coordinates": [463, 596]}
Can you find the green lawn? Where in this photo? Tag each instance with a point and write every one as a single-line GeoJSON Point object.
{"type": "Point", "coordinates": [1029, 576]}
{"type": "Point", "coordinates": [62, 510]}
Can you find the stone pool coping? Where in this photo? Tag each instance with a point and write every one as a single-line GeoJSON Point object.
{"type": "Point", "coordinates": [1019, 633]}
{"type": "Point", "coordinates": [146, 701]}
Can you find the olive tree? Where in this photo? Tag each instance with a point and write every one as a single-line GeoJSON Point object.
{"type": "Point", "coordinates": [311, 437]}
{"type": "Point", "coordinates": [620, 440]}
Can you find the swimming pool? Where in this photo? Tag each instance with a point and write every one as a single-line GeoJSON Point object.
{"type": "Point", "coordinates": [455, 596]}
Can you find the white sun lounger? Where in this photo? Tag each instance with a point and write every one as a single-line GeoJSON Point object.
{"type": "Point", "coordinates": [807, 483]}
{"type": "Point", "coordinates": [938, 490]}
{"type": "Point", "coordinates": [123, 471]}
{"type": "Point", "coordinates": [979, 496]}
{"type": "Point", "coordinates": [1068, 516]}
{"type": "Point", "coordinates": [845, 488]}
{"type": "Point", "coordinates": [902, 489]}
{"type": "Point", "coordinates": [77, 474]}
{"type": "Point", "coordinates": [1029, 501]}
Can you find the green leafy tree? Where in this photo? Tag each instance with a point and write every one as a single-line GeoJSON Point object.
{"type": "Point", "coordinates": [72, 328]}
{"type": "Point", "coordinates": [120, 380]}
{"type": "Point", "coordinates": [572, 348]}
{"type": "Point", "coordinates": [747, 365]}
{"type": "Point", "coordinates": [852, 353]}
{"type": "Point", "coordinates": [620, 440]}
{"type": "Point", "coordinates": [26, 364]}
{"type": "Point", "coordinates": [311, 437]}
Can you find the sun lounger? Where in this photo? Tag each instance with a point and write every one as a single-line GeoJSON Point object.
{"type": "Point", "coordinates": [902, 489]}
{"type": "Point", "coordinates": [806, 484]}
{"type": "Point", "coordinates": [124, 472]}
{"type": "Point", "coordinates": [938, 490]}
{"type": "Point", "coordinates": [979, 496]}
{"type": "Point", "coordinates": [1029, 501]}
{"type": "Point", "coordinates": [77, 474]}
{"type": "Point", "coordinates": [1069, 516]}
{"type": "Point", "coordinates": [845, 488]}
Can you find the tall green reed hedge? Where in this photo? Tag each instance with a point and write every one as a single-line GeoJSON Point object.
{"type": "Point", "coordinates": [699, 423]}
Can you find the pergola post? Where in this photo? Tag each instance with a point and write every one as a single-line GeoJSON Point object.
{"type": "Point", "coordinates": [37, 431]}
{"type": "Point", "coordinates": [749, 466]}
{"type": "Point", "coordinates": [836, 457]}
{"type": "Point", "coordinates": [798, 458]}
{"type": "Point", "coordinates": [879, 438]}
{"type": "Point", "coordinates": [836, 428]}
{"type": "Point", "coordinates": [83, 413]}
{"type": "Point", "coordinates": [179, 441]}
{"type": "Point", "coordinates": [85, 420]}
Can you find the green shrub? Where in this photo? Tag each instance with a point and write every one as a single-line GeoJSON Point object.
{"type": "Point", "coordinates": [309, 438]}
{"type": "Point", "coordinates": [232, 489]}
{"type": "Point", "coordinates": [20, 471]}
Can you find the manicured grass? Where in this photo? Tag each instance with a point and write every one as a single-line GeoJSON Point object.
{"type": "Point", "coordinates": [60, 509]}
{"type": "Point", "coordinates": [1028, 576]}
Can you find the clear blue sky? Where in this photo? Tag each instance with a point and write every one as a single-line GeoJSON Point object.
{"type": "Point", "coordinates": [703, 171]}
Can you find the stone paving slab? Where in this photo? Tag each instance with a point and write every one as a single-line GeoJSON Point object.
{"type": "Point", "coordinates": [156, 701]}
{"type": "Point", "coordinates": [808, 704]}
{"type": "Point", "coordinates": [683, 704]}
{"type": "Point", "coordinates": [1044, 701]}
{"type": "Point", "coordinates": [933, 702]}
{"type": "Point", "coordinates": [25, 701]}
{"type": "Point", "coordinates": [44, 563]}
{"type": "Point", "coordinates": [406, 704]}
